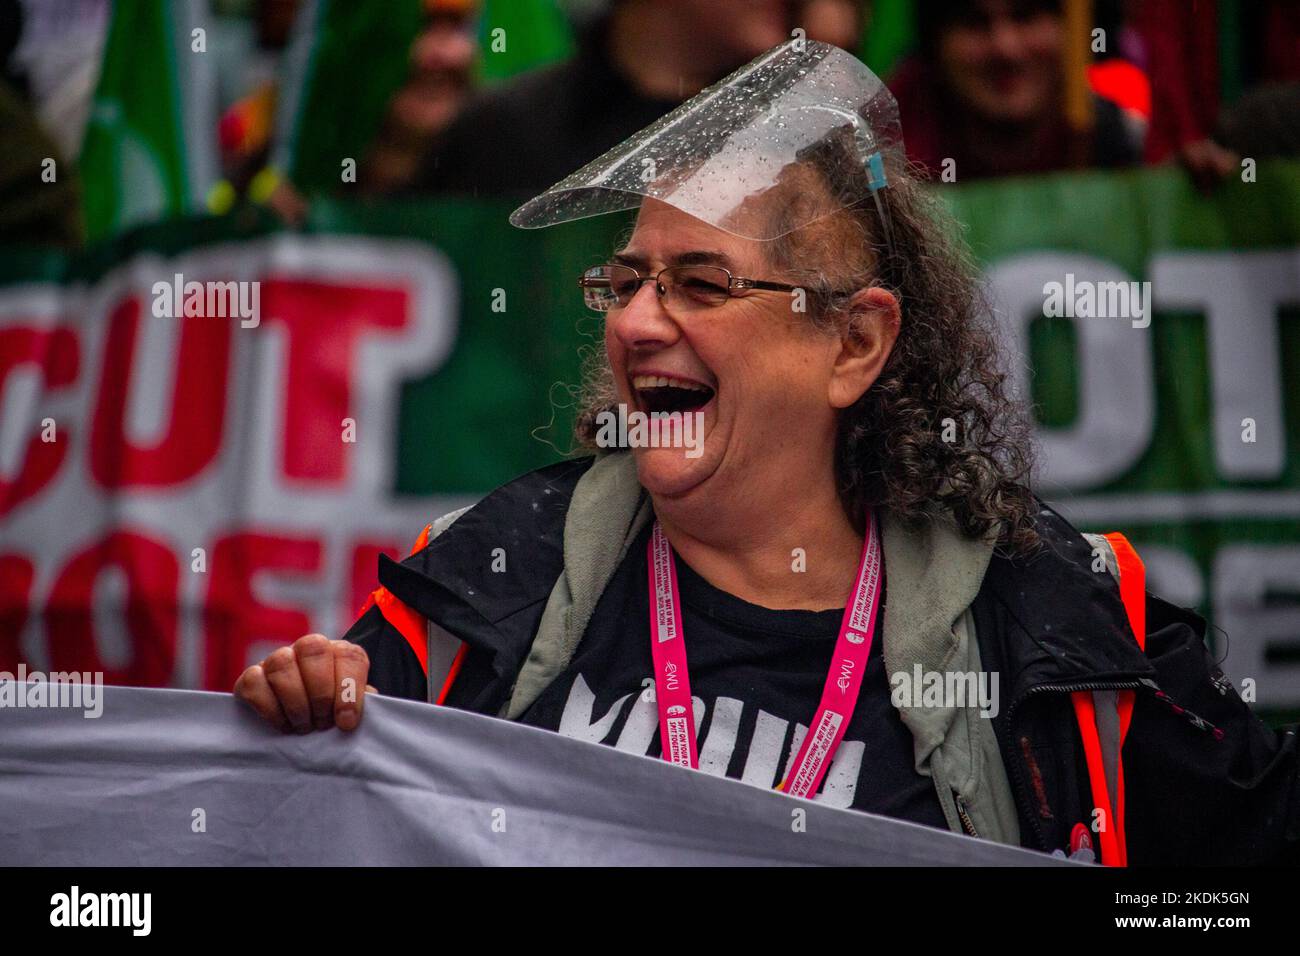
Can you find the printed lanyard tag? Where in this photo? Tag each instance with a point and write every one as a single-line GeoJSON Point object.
{"type": "Point", "coordinates": [843, 681]}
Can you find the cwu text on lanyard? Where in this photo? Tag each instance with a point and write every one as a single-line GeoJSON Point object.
{"type": "Point", "coordinates": [843, 680]}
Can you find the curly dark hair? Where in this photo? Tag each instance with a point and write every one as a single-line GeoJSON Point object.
{"type": "Point", "coordinates": [939, 431]}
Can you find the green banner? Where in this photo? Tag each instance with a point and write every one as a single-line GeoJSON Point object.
{"type": "Point", "coordinates": [1175, 419]}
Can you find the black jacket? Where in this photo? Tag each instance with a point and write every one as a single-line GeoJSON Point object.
{"type": "Point", "coordinates": [1207, 782]}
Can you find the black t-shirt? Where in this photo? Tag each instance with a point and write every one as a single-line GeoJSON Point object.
{"type": "Point", "coordinates": [759, 674]}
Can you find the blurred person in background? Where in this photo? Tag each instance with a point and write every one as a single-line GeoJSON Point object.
{"type": "Point", "coordinates": [435, 91]}
{"type": "Point", "coordinates": [1225, 84]}
{"type": "Point", "coordinates": [635, 61]}
{"type": "Point", "coordinates": [40, 203]}
{"type": "Point", "coordinates": [988, 88]}
{"type": "Point", "coordinates": [1263, 124]}
{"type": "Point", "coordinates": [59, 55]}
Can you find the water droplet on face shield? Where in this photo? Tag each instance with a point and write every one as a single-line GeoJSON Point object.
{"type": "Point", "coordinates": [775, 112]}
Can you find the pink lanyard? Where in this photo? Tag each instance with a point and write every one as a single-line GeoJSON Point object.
{"type": "Point", "coordinates": [843, 682]}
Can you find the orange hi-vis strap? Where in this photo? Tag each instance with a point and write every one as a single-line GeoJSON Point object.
{"type": "Point", "coordinates": [415, 628]}
{"type": "Point", "coordinates": [1104, 715]}
{"type": "Point", "coordinates": [409, 624]}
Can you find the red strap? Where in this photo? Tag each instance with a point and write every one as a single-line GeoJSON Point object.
{"type": "Point", "coordinates": [1132, 592]}
{"type": "Point", "coordinates": [452, 673]}
{"type": "Point", "coordinates": [1111, 836]}
{"type": "Point", "coordinates": [1132, 585]}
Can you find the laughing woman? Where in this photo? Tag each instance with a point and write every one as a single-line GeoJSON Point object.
{"type": "Point", "coordinates": [790, 290]}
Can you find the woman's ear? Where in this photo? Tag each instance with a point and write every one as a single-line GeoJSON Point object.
{"type": "Point", "coordinates": [867, 333]}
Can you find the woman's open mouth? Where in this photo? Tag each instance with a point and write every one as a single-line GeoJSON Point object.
{"type": "Point", "coordinates": [660, 393]}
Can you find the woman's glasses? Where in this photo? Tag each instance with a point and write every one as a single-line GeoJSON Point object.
{"type": "Point", "coordinates": [681, 288]}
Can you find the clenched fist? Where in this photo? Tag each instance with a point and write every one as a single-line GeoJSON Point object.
{"type": "Point", "coordinates": [314, 684]}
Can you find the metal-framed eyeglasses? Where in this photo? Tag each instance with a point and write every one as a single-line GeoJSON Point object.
{"type": "Point", "coordinates": [686, 288]}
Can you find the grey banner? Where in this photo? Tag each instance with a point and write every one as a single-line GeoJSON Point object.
{"type": "Point", "coordinates": [168, 777]}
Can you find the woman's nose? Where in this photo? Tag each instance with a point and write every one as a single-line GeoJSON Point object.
{"type": "Point", "coordinates": [644, 320]}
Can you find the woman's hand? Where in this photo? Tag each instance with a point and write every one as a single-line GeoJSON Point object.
{"type": "Point", "coordinates": [314, 684]}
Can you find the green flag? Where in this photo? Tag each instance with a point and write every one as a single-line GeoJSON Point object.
{"type": "Point", "coordinates": [521, 35]}
{"type": "Point", "coordinates": [890, 34]}
{"type": "Point", "coordinates": [346, 60]}
{"type": "Point", "coordinates": [150, 150]}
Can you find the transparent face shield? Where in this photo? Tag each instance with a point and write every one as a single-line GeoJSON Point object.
{"type": "Point", "coordinates": [793, 136]}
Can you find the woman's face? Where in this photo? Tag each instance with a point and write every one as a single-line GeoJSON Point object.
{"type": "Point", "coordinates": [1003, 60]}
{"type": "Point", "coordinates": [769, 374]}
{"type": "Point", "coordinates": [732, 31]}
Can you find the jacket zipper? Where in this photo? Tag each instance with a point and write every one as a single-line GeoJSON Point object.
{"type": "Point", "coordinates": [962, 815]}
{"type": "Point", "coordinates": [1016, 773]}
